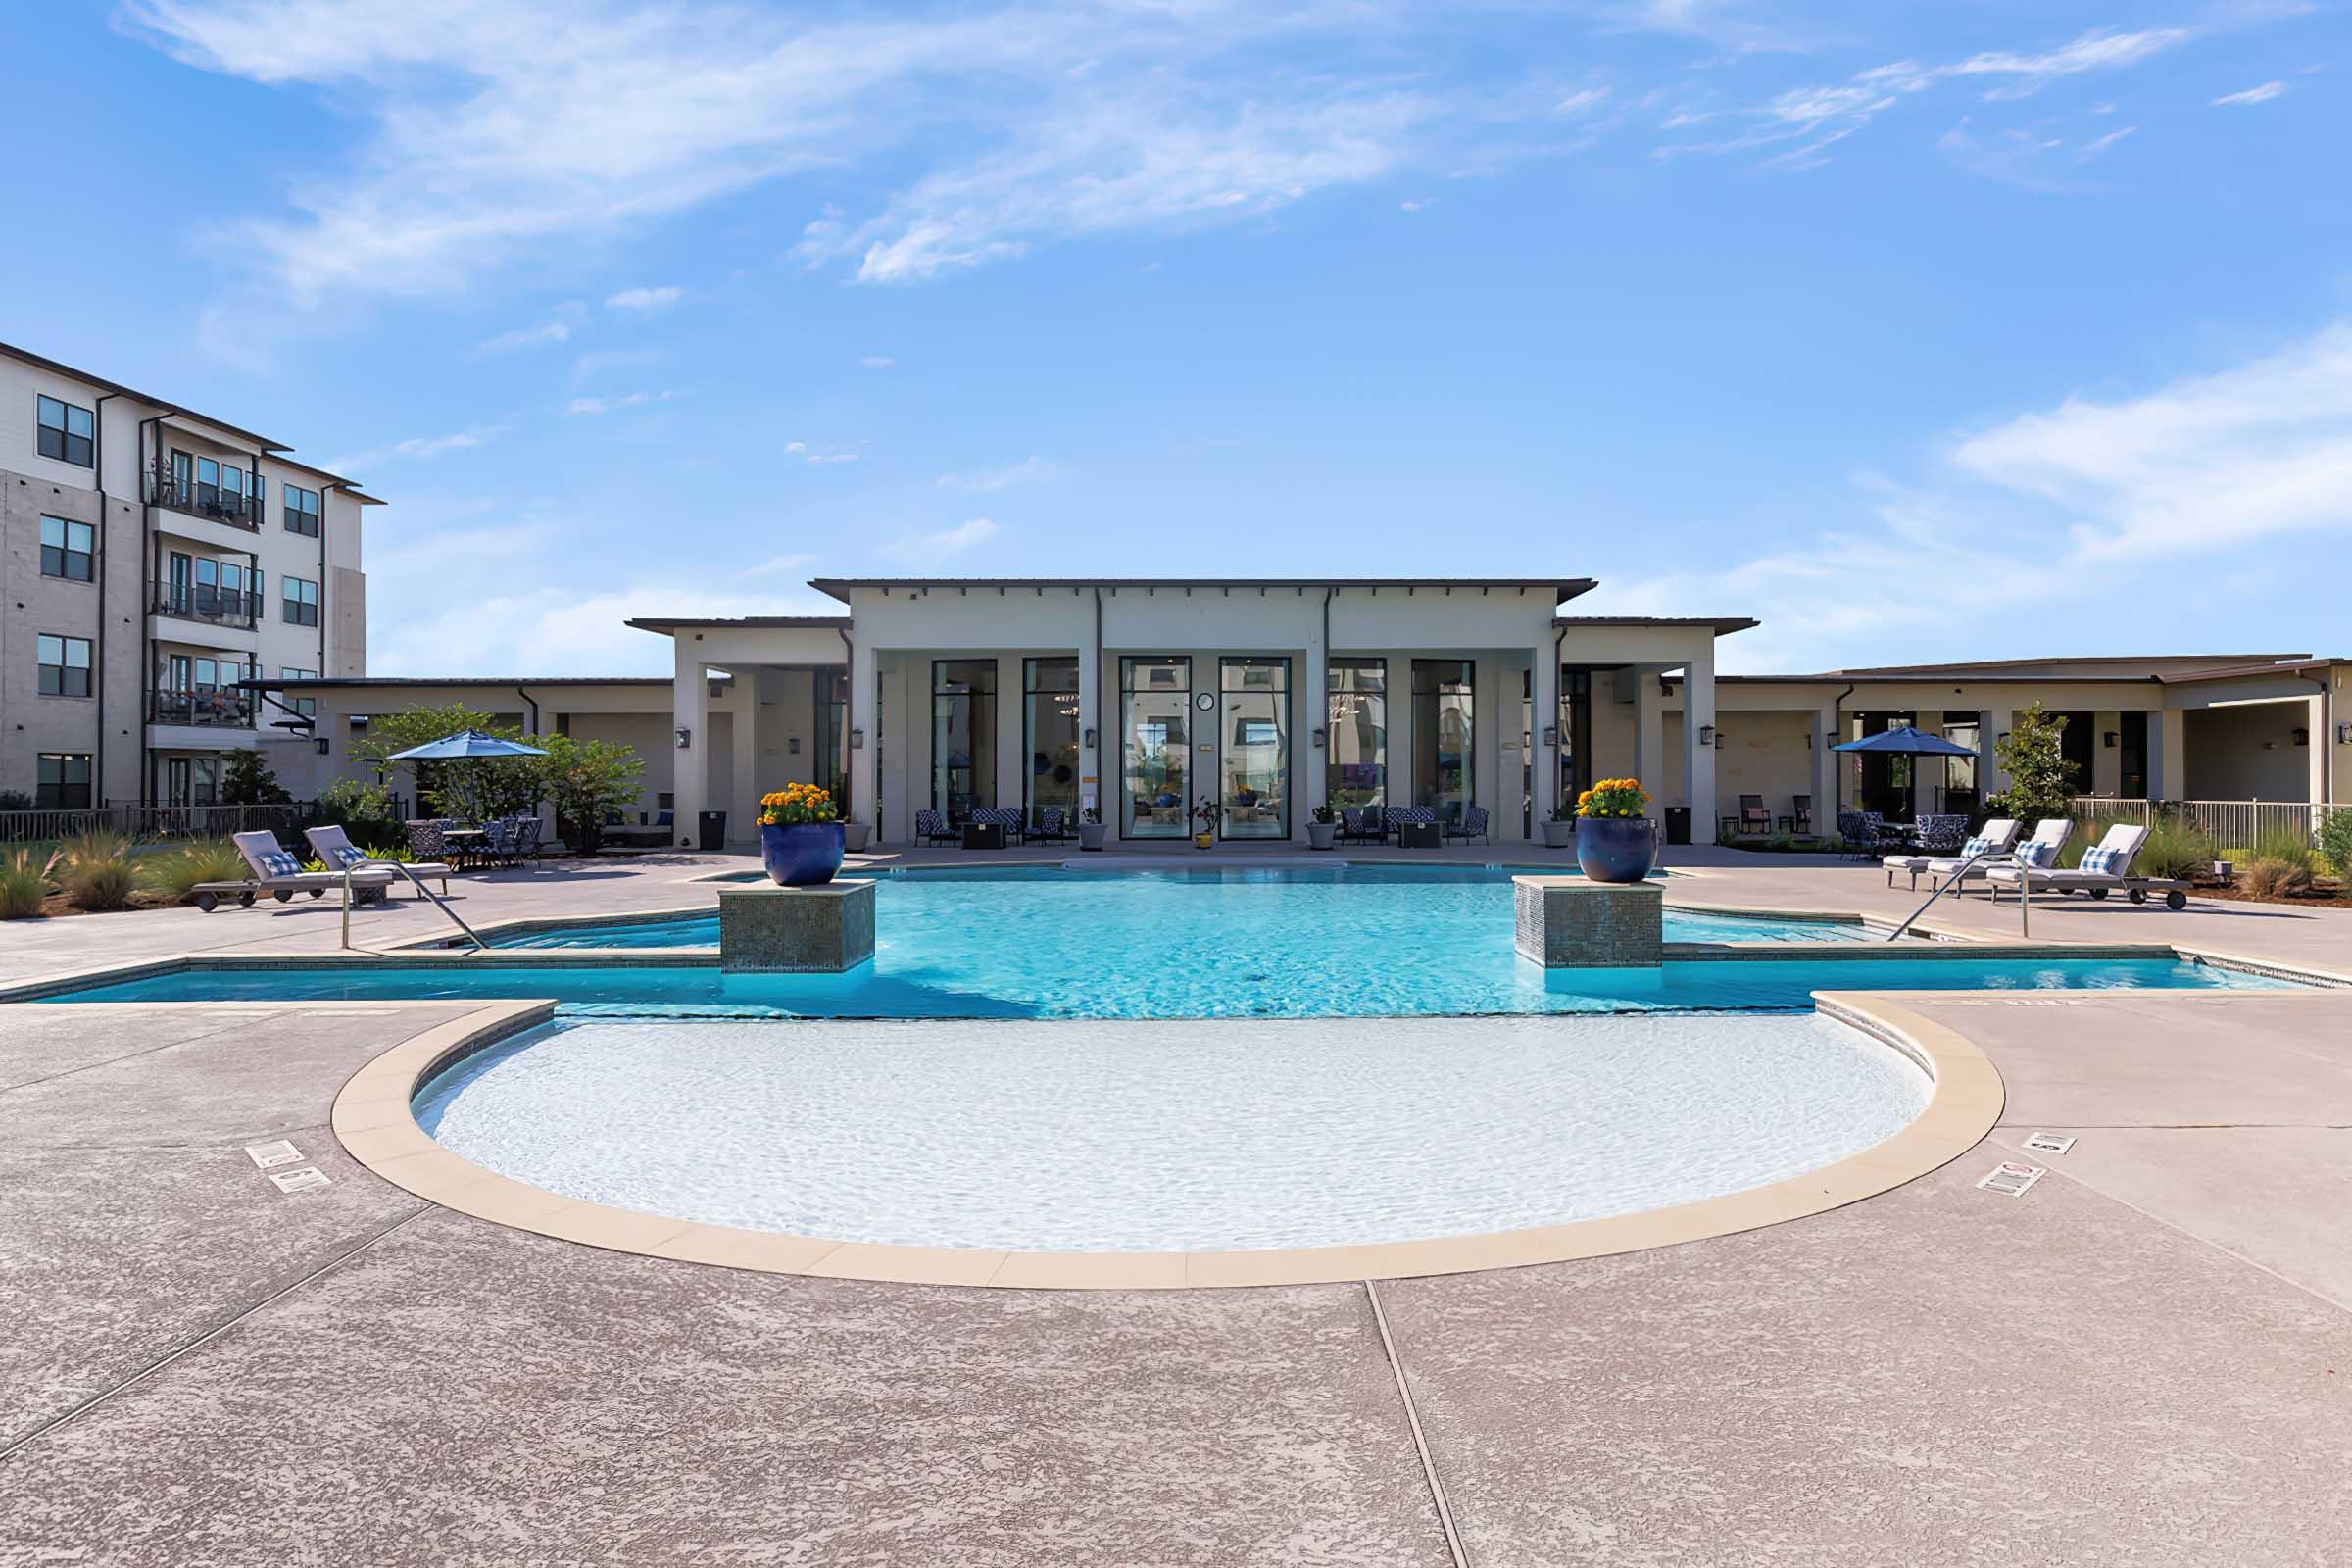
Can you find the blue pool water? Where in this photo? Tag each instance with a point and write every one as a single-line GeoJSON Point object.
{"type": "Point", "coordinates": [1284, 917]}
{"type": "Point", "coordinates": [1080, 977]}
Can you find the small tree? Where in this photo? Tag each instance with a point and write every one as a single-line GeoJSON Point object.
{"type": "Point", "coordinates": [472, 789]}
{"type": "Point", "coordinates": [581, 781]}
{"type": "Point", "coordinates": [2041, 781]}
{"type": "Point", "coordinates": [249, 782]}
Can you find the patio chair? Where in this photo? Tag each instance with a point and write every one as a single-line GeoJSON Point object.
{"type": "Point", "coordinates": [1753, 817]}
{"type": "Point", "coordinates": [2106, 868]}
{"type": "Point", "coordinates": [1800, 814]}
{"type": "Point", "coordinates": [1007, 817]}
{"type": "Point", "coordinates": [1052, 824]}
{"type": "Point", "coordinates": [277, 872]}
{"type": "Point", "coordinates": [1864, 832]}
{"type": "Point", "coordinates": [1473, 826]}
{"type": "Point", "coordinates": [1999, 838]}
{"type": "Point", "coordinates": [498, 841]}
{"type": "Point", "coordinates": [1941, 832]}
{"type": "Point", "coordinates": [526, 837]}
{"type": "Point", "coordinates": [334, 849]}
{"type": "Point", "coordinates": [931, 827]}
{"type": "Point", "coordinates": [1359, 824]}
{"type": "Point", "coordinates": [428, 838]}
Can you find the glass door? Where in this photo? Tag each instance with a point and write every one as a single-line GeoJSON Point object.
{"type": "Point", "coordinates": [1444, 734]}
{"type": "Point", "coordinates": [1049, 735]}
{"type": "Point", "coordinates": [964, 736]}
{"type": "Point", "coordinates": [1356, 765]}
{"type": "Point", "coordinates": [1155, 696]}
{"type": "Point", "coordinates": [1253, 747]}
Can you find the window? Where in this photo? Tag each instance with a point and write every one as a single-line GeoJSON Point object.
{"type": "Point", "coordinates": [1155, 754]}
{"type": "Point", "coordinates": [218, 489]}
{"type": "Point", "coordinates": [1049, 735]}
{"type": "Point", "coordinates": [69, 549]}
{"type": "Point", "coordinates": [302, 511]}
{"type": "Point", "coordinates": [1254, 750]}
{"type": "Point", "coordinates": [1356, 767]}
{"type": "Point", "coordinates": [964, 736]}
{"type": "Point", "coordinates": [65, 431]}
{"type": "Point", "coordinates": [64, 782]}
{"type": "Point", "coordinates": [1443, 736]}
{"type": "Point", "coordinates": [308, 707]}
{"type": "Point", "coordinates": [301, 601]}
{"type": "Point", "coordinates": [65, 665]}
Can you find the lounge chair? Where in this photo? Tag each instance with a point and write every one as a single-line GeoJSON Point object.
{"type": "Point", "coordinates": [1999, 838]}
{"type": "Point", "coordinates": [277, 872]}
{"type": "Point", "coordinates": [338, 853]}
{"type": "Point", "coordinates": [2106, 868]}
{"type": "Point", "coordinates": [1473, 826]}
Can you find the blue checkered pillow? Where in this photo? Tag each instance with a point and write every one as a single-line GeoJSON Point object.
{"type": "Point", "coordinates": [346, 856]}
{"type": "Point", "coordinates": [1973, 848]}
{"type": "Point", "coordinates": [278, 863]}
{"type": "Point", "coordinates": [2102, 862]}
{"type": "Point", "coordinates": [2037, 854]}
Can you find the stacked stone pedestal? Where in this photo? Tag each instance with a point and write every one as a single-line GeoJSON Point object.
{"type": "Point", "coordinates": [819, 930]}
{"type": "Point", "coordinates": [1572, 922]}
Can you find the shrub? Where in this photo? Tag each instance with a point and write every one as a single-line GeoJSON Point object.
{"type": "Point", "coordinates": [2278, 843]}
{"type": "Point", "coordinates": [2335, 842]}
{"type": "Point", "coordinates": [2041, 781]}
{"type": "Point", "coordinates": [24, 882]}
{"type": "Point", "coordinates": [98, 872]}
{"type": "Point", "coordinates": [173, 873]}
{"type": "Point", "coordinates": [15, 801]}
{"type": "Point", "coordinates": [2269, 878]}
{"type": "Point", "coordinates": [2086, 835]}
{"type": "Point", "coordinates": [2175, 849]}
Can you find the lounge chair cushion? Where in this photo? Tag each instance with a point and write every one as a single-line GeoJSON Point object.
{"type": "Point", "coordinates": [2039, 854]}
{"type": "Point", "coordinates": [2102, 861]}
{"type": "Point", "coordinates": [279, 862]}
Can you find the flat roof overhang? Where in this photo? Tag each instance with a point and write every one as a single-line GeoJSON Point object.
{"type": "Point", "coordinates": [666, 626]}
{"type": "Point", "coordinates": [1563, 588]}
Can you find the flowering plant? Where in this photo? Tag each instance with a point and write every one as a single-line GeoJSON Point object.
{"type": "Point", "coordinates": [1613, 796]}
{"type": "Point", "coordinates": [794, 805]}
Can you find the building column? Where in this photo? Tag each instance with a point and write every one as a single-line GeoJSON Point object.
{"type": "Point", "coordinates": [1826, 769]}
{"type": "Point", "coordinates": [689, 711]}
{"type": "Point", "coordinates": [865, 783]}
{"type": "Point", "coordinates": [2321, 746]}
{"type": "Point", "coordinates": [1991, 778]}
{"type": "Point", "coordinates": [1650, 741]}
{"type": "Point", "coordinates": [1698, 760]}
{"type": "Point", "coordinates": [1093, 723]}
{"type": "Point", "coordinates": [1544, 713]}
{"type": "Point", "coordinates": [1314, 697]}
{"type": "Point", "coordinates": [1013, 733]}
{"type": "Point", "coordinates": [741, 802]}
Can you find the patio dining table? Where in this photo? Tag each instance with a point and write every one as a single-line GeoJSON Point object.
{"type": "Point", "coordinates": [461, 840]}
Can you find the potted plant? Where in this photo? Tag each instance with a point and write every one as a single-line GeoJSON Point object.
{"type": "Point", "coordinates": [1559, 829]}
{"type": "Point", "coordinates": [1091, 828]}
{"type": "Point", "coordinates": [1208, 813]}
{"type": "Point", "coordinates": [855, 835]}
{"type": "Point", "coordinates": [1323, 829]}
{"type": "Point", "coordinates": [799, 836]}
{"type": "Point", "coordinates": [1614, 841]}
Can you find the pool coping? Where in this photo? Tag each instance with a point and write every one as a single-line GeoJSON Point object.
{"type": "Point", "coordinates": [374, 1119]}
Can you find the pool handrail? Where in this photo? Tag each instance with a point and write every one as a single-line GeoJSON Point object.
{"type": "Point", "coordinates": [479, 945]}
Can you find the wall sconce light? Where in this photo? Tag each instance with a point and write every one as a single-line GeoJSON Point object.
{"type": "Point", "coordinates": [792, 746]}
{"type": "Point", "coordinates": [1322, 737]}
{"type": "Point", "coordinates": [2005, 735]}
{"type": "Point", "coordinates": [856, 740]}
{"type": "Point", "coordinates": [2343, 734]}
{"type": "Point", "coordinates": [1090, 737]}
{"type": "Point", "coordinates": [2108, 740]}
{"type": "Point", "coordinates": [1551, 734]}
{"type": "Point", "coordinates": [685, 738]}
{"type": "Point", "coordinates": [1808, 740]}
{"type": "Point", "coordinates": [1721, 738]}
{"type": "Point", "coordinates": [1706, 734]}
{"type": "Point", "coordinates": [320, 743]}
{"type": "Point", "coordinates": [2302, 736]}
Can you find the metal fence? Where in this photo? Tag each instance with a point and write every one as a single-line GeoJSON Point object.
{"type": "Point", "coordinates": [2229, 824]}
{"type": "Point", "coordinates": [143, 822]}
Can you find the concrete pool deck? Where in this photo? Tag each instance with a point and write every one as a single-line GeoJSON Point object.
{"type": "Point", "coordinates": [2144, 1358]}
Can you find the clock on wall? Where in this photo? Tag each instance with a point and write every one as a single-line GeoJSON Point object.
{"type": "Point", "coordinates": [1206, 701]}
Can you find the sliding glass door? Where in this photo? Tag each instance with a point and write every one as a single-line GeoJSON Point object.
{"type": "Point", "coordinates": [1253, 747]}
{"type": "Point", "coordinates": [1357, 764]}
{"type": "Point", "coordinates": [1443, 733]}
{"type": "Point", "coordinates": [1155, 698]}
{"type": "Point", "coordinates": [1049, 735]}
{"type": "Point", "coordinates": [964, 736]}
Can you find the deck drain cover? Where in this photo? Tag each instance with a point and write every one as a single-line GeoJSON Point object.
{"type": "Point", "coordinates": [2051, 1142]}
{"type": "Point", "coordinates": [299, 1181]}
{"type": "Point", "coordinates": [2011, 1178]}
{"type": "Point", "coordinates": [269, 1156]}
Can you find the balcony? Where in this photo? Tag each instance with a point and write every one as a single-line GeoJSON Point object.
{"type": "Point", "coordinates": [214, 708]}
{"type": "Point", "coordinates": [217, 606]}
{"type": "Point", "coordinates": [207, 501]}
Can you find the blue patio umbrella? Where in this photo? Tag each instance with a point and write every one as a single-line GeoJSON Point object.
{"type": "Point", "coordinates": [1904, 741]}
{"type": "Point", "coordinates": [465, 743]}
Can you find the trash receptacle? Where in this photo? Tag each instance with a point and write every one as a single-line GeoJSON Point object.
{"type": "Point", "coordinates": [714, 825]}
{"type": "Point", "coordinates": [1678, 824]}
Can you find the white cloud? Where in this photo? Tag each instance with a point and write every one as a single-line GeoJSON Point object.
{"type": "Point", "coordinates": [2101, 49]}
{"type": "Point", "coordinates": [2252, 95]}
{"type": "Point", "coordinates": [2100, 145]}
{"type": "Point", "coordinates": [645, 299]}
{"type": "Point", "coordinates": [949, 542]}
{"type": "Point", "coordinates": [775, 565]}
{"type": "Point", "coordinates": [878, 361]}
{"type": "Point", "coordinates": [593, 406]}
{"type": "Point", "coordinates": [566, 321]}
{"type": "Point", "coordinates": [420, 446]}
{"type": "Point", "coordinates": [2104, 497]}
{"type": "Point", "coordinates": [588, 367]}
{"type": "Point", "coordinates": [552, 631]}
{"type": "Point", "coordinates": [1028, 470]}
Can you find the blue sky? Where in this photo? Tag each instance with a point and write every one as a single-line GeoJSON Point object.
{"type": "Point", "coordinates": [1919, 332]}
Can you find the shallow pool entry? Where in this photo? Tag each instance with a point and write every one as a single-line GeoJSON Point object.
{"type": "Point", "coordinates": [1163, 1137]}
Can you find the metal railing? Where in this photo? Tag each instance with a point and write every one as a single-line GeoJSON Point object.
{"type": "Point", "coordinates": [2229, 824]}
{"type": "Point", "coordinates": [218, 706]}
{"type": "Point", "coordinates": [207, 501]}
{"type": "Point", "coordinates": [143, 822]}
{"type": "Point", "coordinates": [457, 919]}
{"type": "Point", "coordinates": [226, 607]}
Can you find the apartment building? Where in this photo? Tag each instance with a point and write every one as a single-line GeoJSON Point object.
{"type": "Point", "coordinates": [154, 561]}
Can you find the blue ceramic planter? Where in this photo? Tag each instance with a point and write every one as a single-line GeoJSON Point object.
{"type": "Point", "coordinates": [1616, 849]}
{"type": "Point", "coordinates": [802, 855]}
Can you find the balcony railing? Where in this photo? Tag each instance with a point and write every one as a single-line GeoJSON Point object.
{"type": "Point", "coordinates": [207, 501]}
{"type": "Point", "coordinates": [2231, 824]}
{"type": "Point", "coordinates": [224, 606]}
{"type": "Point", "coordinates": [221, 706]}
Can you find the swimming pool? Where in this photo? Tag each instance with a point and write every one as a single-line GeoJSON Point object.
{"type": "Point", "coordinates": [1165, 1137]}
{"type": "Point", "coordinates": [1403, 982]}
